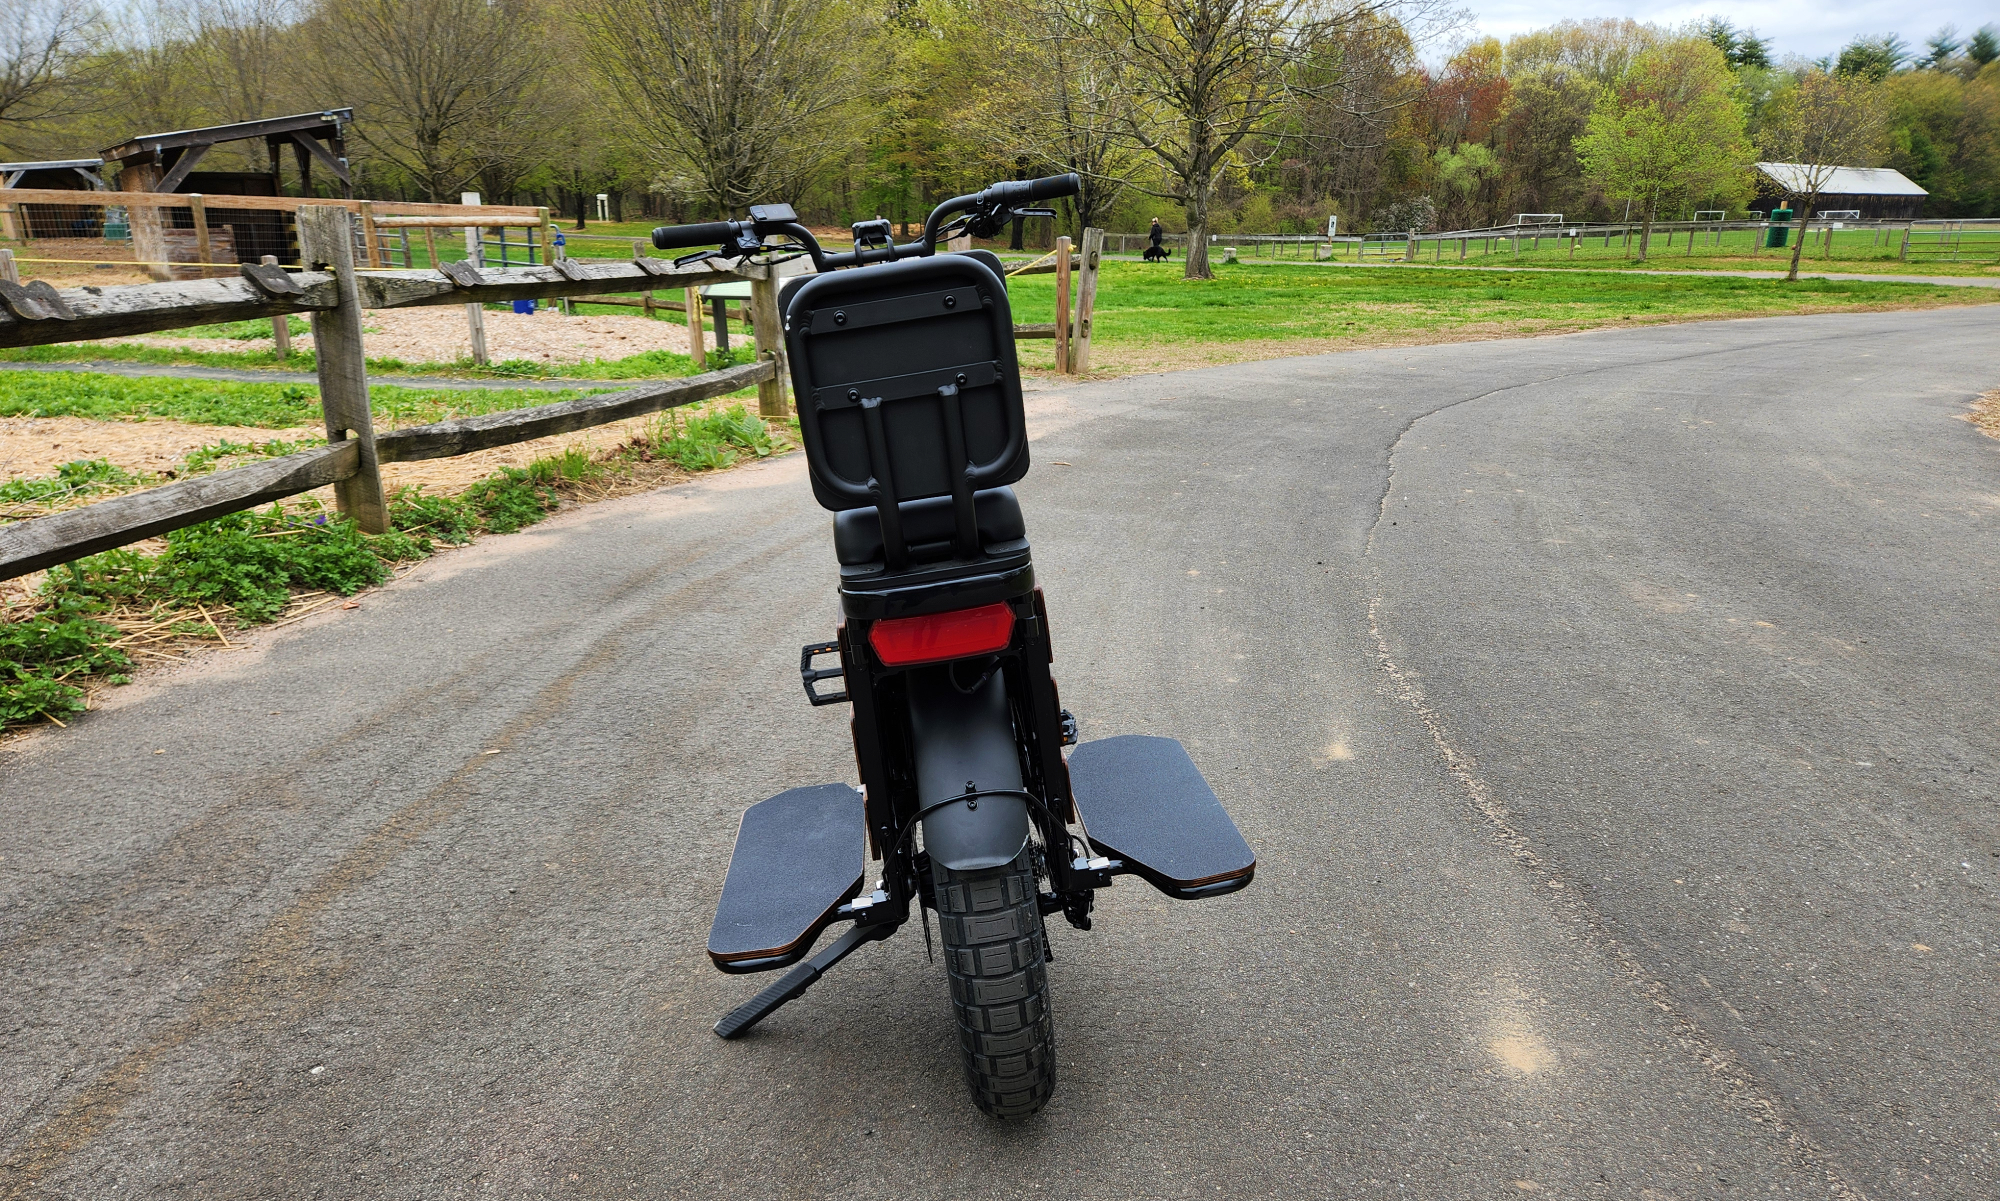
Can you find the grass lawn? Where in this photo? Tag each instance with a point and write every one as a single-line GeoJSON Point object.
{"type": "Point", "coordinates": [1148, 318]}
{"type": "Point", "coordinates": [1867, 251]}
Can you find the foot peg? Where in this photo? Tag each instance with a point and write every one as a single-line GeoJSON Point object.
{"type": "Point", "coordinates": [1145, 802]}
{"type": "Point", "coordinates": [798, 858]}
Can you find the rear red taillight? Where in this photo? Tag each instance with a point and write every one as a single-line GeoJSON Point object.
{"type": "Point", "coordinates": [935, 637]}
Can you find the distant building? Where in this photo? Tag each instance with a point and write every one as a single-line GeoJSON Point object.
{"type": "Point", "coordinates": [1876, 192]}
{"type": "Point", "coordinates": [165, 162]}
{"type": "Point", "coordinates": [53, 220]}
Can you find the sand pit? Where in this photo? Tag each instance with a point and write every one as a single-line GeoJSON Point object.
{"type": "Point", "coordinates": [439, 335]}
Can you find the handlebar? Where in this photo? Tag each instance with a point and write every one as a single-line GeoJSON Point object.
{"type": "Point", "coordinates": [677, 237]}
{"type": "Point", "coordinates": [990, 210]}
{"type": "Point", "coordinates": [1047, 188]}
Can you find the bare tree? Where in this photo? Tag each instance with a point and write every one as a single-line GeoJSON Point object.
{"type": "Point", "coordinates": [1066, 110]}
{"type": "Point", "coordinates": [436, 83]}
{"type": "Point", "coordinates": [45, 65]}
{"type": "Point", "coordinates": [249, 69]}
{"type": "Point", "coordinates": [1343, 131]}
{"type": "Point", "coordinates": [1208, 80]}
{"type": "Point", "coordinates": [1810, 130]}
{"type": "Point", "coordinates": [739, 99]}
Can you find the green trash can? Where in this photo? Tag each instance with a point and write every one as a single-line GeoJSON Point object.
{"type": "Point", "coordinates": [1781, 229]}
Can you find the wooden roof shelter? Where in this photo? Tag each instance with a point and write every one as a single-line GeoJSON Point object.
{"type": "Point", "coordinates": [162, 162]}
{"type": "Point", "coordinates": [1874, 192]}
{"type": "Point", "coordinates": [54, 173]}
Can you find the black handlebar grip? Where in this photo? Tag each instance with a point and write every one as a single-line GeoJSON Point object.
{"type": "Point", "coordinates": [1054, 186]}
{"type": "Point", "coordinates": [708, 233]}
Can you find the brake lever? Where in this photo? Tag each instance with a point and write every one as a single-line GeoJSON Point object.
{"type": "Point", "coordinates": [1034, 212]}
{"type": "Point", "coordinates": [700, 256]}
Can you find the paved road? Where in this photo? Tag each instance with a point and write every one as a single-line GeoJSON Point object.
{"type": "Point", "coordinates": [1613, 714]}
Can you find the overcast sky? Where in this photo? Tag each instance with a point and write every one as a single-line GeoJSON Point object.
{"type": "Point", "coordinates": [1811, 30]}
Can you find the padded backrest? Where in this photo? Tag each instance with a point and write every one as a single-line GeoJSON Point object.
{"type": "Point", "coordinates": [899, 370]}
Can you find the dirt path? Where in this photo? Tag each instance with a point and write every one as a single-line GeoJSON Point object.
{"type": "Point", "coordinates": [440, 335]}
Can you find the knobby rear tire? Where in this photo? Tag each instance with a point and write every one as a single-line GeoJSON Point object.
{"type": "Point", "coordinates": [994, 958]}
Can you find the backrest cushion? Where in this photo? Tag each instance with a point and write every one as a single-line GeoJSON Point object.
{"type": "Point", "coordinates": [899, 331]}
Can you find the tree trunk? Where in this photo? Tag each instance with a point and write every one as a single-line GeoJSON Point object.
{"type": "Point", "coordinates": [1197, 236]}
{"type": "Point", "coordinates": [1014, 239]}
{"type": "Point", "coordinates": [1645, 233]}
{"type": "Point", "coordinates": [1799, 242]}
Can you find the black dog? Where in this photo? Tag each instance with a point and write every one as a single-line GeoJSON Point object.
{"type": "Point", "coordinates": [1158, 254]}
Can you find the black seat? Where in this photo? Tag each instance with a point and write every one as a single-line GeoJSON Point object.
{"type": "Point", "coordinates": [927, 527]}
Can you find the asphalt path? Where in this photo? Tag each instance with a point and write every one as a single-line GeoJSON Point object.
{"type": "Point", "coordinates": [1613, 716]}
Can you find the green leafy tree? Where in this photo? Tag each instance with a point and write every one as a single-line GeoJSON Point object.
{"type": "Point", "coordinates": [1984, 46]}
{"type": "Point", "coordinates": [1670, 129]}
{"type": "Point", "coordinates": [1823, 122]}
{"type": "Point", "coordinates": [1873, 58]}
{"type": "Point", "coordinates": [1465, 174]}
{"type": "Point", "coordinates": [1547, 111]}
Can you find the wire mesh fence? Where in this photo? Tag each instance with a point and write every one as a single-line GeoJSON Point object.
{"type": "Point", "coordinates": [73, 237]}
{"type": "Point", "coordinates": [1765, 244]}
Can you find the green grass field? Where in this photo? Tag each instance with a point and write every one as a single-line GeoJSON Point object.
{"type": "Point", "coordinates": [1148, 317]}
{"type": "Point", "coordinates": [1871, 251]}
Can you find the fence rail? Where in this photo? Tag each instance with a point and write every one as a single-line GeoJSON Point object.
{"type": "Point", "coordinates": [1920, 240]}
{"type": "Point", "coordinates": [174, 235]}
{"type": "Point", "coordinates": [334, 296]}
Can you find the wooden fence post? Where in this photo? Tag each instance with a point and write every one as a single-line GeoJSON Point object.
{"type": "Point", "coordinates": [9, 270]}
{"type": "Point", "coordinates": [475, 313]}
{"type": "Point", "coordinates": [326, 235]}
{"type": "Point", "coordinates": [770, 338]}
{"type": "Point", "coordinates": [1062, 305]}
{"type": "Point", "coordinates": [1904, 253]}
{"type": "Point", "coordinates": [203, 252]}
{"type": "Point", "coordinates": [639, 248]}
{"type": "Point", "coordinates": [431, 246]}
{"type": "Point", "coordinates": [1086, 300]}
{"type": "Point", "coordinates": [369, 238]}
{"type": "Point", "coordinates": [281, 327]}
{"type": "Point", "coordinates": [693, 298]}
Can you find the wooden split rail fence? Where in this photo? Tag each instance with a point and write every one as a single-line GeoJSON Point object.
{"type": "Point", "coordinates": [334, 293]}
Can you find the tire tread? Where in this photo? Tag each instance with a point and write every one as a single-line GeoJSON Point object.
{"type": "Point", "coordinates": [991, 925]}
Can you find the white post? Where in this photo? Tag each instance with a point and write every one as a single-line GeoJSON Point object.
{"type": "Point", "coordinates": [475, 315]}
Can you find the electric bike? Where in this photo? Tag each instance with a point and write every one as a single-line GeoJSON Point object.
{"type": "Point", "coordinates": [910, 408]}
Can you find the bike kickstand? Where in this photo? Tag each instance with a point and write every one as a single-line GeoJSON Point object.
{"type": "Point", "coordinates": [798, 980]}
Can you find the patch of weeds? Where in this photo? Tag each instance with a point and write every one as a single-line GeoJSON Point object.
{"type": "Point", "coordinates": [80, 477]}
{"type": "Point", "coordinates": [242, 331]}
{"type": "Point", "coordinates": [570, 465]}
{"type": "Point", "coordinates": [448, 519]}
{"type": "Point", "coordinates": [510, 499]}
{"type": "Point", "coordinates": [708, 441]}
{"type": "Point", "coordinates": [205, 458]}
{"type": "Point", "coordinates": [251, 561]}
{"type": "Point", "coordinates": [39, 655]}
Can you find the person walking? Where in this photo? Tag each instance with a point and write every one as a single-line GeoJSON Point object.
{"type": "Point", "coordinates": [1157, 252]}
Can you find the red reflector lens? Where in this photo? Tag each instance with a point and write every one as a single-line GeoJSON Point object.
{"type": "Point", "coordinates": [935, 637]}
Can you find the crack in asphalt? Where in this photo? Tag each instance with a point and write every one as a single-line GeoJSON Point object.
{"type": "Point", "coordinates": [1742, 1084]}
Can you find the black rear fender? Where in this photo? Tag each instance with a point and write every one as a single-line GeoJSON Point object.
{"type": "Point", "coordinates": [964, 736]}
